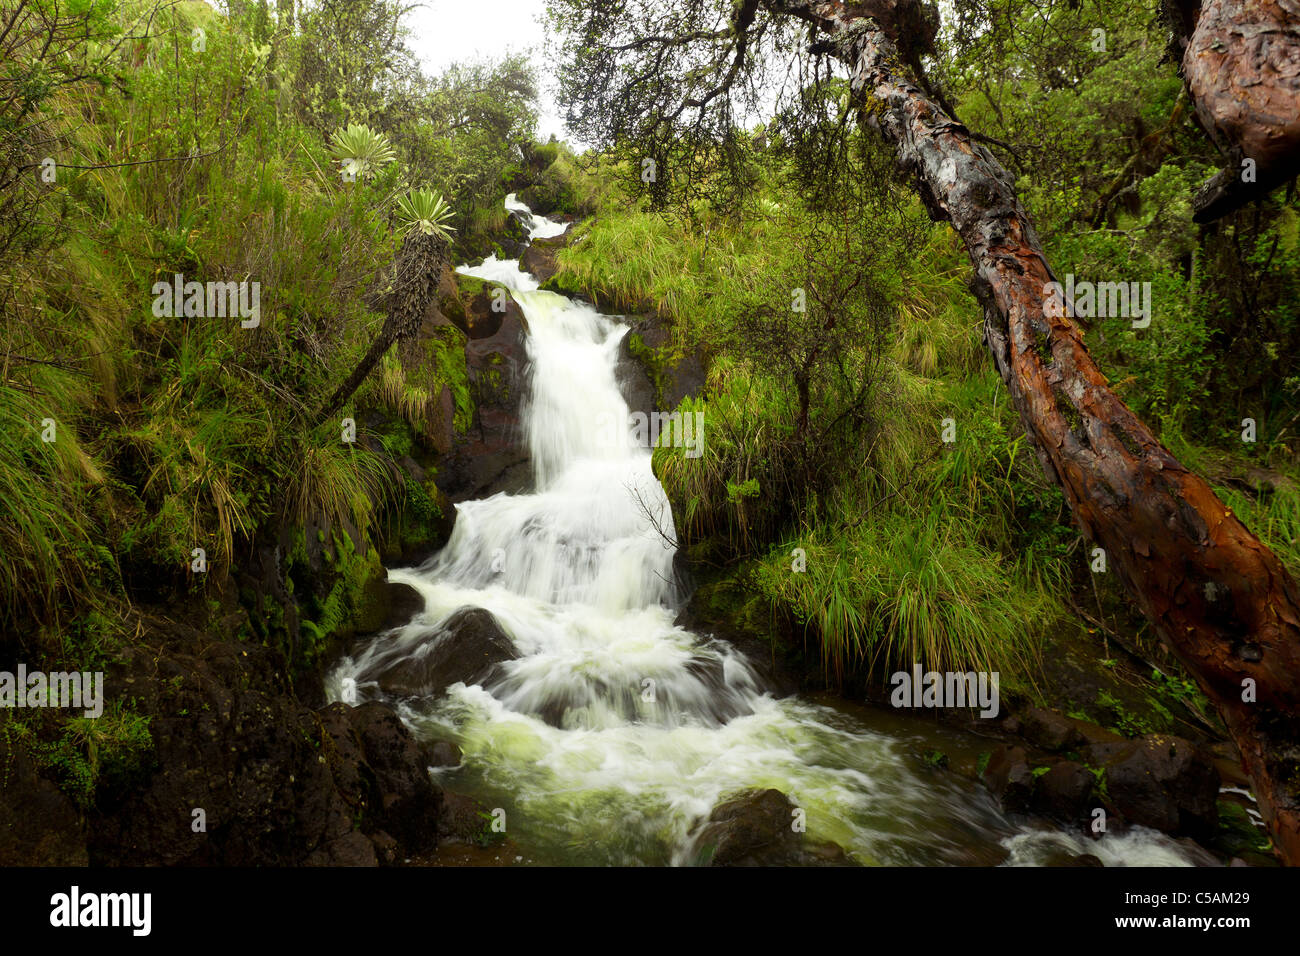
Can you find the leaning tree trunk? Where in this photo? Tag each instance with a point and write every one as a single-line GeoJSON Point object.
{"type": "Point", "coordinates": [419, 267]}
{"type": "Point", "coordinates": [1217, 596]}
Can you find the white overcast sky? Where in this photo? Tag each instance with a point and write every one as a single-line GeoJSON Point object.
{"type": "Point", "coordinates": [448, 31]}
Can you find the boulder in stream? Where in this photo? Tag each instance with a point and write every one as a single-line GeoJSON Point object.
{"type": "Point", "coordinates": [1010, 778]}
{"type": "Point", "coordinates": [756, 828]}
{"type": "Point", "coordinates": [1056, 732]}
{"type": "Point", "coordinates": [466, 647]}
{"type": "Point", "coordinates": [1065, 791]}
{"type": "Point", "coordinates": [514, 236]}
{"type": "Point", "coordinates": [1160, 781]}
{"type": "Point", "coordinates": [539, 257]}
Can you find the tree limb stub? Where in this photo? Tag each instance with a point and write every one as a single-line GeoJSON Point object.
{"type": "Point", "coordinates": [1216, 595]}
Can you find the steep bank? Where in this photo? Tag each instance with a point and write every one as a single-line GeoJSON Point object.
{"type": "Point", "coordinates": [217, 746]}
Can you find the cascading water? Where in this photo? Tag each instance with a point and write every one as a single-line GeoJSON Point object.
{"type": "Point", "coordinates": [615, 732]}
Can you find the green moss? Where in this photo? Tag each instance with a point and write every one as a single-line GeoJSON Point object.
{"type": "Point", "coordinates": [1070, 413]}
{"type": "Point", "coordinates": [1099, 775]}
{"type": "Point", "coordinates": [654, 363]}
{"type": "Point", "coordinates": [1125, 439]}
{"type": "Point", "coordinates": [423, 518]}
{"type": "Point", "coordinates": [453, 308]}
{"type": "Point", "coordinates": [565, 282]}
{"type": "Point", "coordinates": [471, 286]}
{"type": "Point", "coordinates": [1124, 720]}
{"type": "Point", "coordinates": [935, 758]}
{"type": "Point", "coordinates": [1237, 833]}
{"type": "Point", "coordinates": [445, 354]}
{"type": "Point", "coordinates": [1042, 343]}
{"type": "Point", "coordinates": [109, 753]}
{"type": "Point", "coordinates": [354, 603]}
{"type": "Point", "coordinates": [491, 385]}
{"type": "Point", "coordinates": [397, 437]}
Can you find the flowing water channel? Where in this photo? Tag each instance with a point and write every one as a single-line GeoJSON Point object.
{"type": "Point", "coordinates": [616, 732]}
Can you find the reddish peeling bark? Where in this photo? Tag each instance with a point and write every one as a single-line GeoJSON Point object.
{"type": "Point", "coordinates": [1217, 596]}
{"type": "Point", "coordinates": [1241, 62]}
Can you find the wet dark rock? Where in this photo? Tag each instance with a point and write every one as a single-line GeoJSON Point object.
{"type": "Point", "coordinates": [1160, 781]}
{"type": "Point", "coordinates": [719, 703]}
{"type": "Point", "coordinates": [404, 801]}
{"type": "Point", "coordinates": [634, 381]}
{"type": "Point", "coordinates": [279, 783]}
{"type": "Point", "coordinates": [491, 456]}
{"type": "Point", "coordinates": [755, 828]}
{"type": "Point", "coordinates": [444, 753]}
{"type": "Point", "coordinates": [724, 704]}
{"type": "Point", "coordinates": [539, 257]}
{"type": "Point", "coordinates": [386, 848]}
{"type": "Point", "coordinates": [484, 455]}
{"type": "Point", "coordinates": [514, 237]}
{"type": "Point", "coordinates": [351, 849]}
{"type": "Point", "coordinates": [672, 376]}
{"type": "Point", "coordinates": [1087, 733]}
{"type": "Point", "coordinates": [404, 602]}
{"type": "Point", "coordinates": [1056, 732]}
{"type": "Point", "coordinates": [39, 825]}
{"type": "Point", "coordinates": [1010, 779]}
{"type": "Point", "coordinates": [491, 308]}
{"type": "Point", "coordinates": [708, 670]}
{"type": "Point", "coordinates": [467, 647]}
{"type": "Point", "coordinates": [1047, 729]}
{"type": "Point", "coordinates": [1065, 791]}
{"type": "Point", "coordinates": [412, 468]}
{"type": "Point", "coordinates": [462, 819]}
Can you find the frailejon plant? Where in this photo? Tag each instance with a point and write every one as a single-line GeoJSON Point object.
{"type": "Point", "coordinates": [425, 210]}
{"type": "Point", "coordinates": [361, 150]}
{"type": "Point", "coordinates": [425, 251]}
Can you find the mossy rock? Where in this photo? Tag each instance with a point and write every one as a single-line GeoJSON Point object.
{"type": "Point", "coordinates": [471, 286]}
{"type": "Point", "coordinates": [654, 364]}
{"type": "Point", "coordinates": [565, 283]}
{"type": "Point", "coordinates": [453, 308]}
{"type": "Point", "coordinates": [371, 605]}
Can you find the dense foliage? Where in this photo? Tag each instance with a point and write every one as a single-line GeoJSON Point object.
{"type": "Point", "coordinates": [953, 550]}
{"type": "Point", "coordinates": [864, 480]}
{"type": "Point", "coordinates": [150, 457]}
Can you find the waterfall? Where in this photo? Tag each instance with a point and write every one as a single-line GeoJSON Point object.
{"type": "Point", "coordinates": [615, 732]}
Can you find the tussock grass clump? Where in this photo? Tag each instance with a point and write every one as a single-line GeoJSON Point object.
{"type": "Point", "coordinates": [732, 492]}
{"type": "Point", "coordinates": [339, 483]}
{"type": "Point", "coordinates": [51, 535]}
{"type": "Point", "coordinates": [901, 588]}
